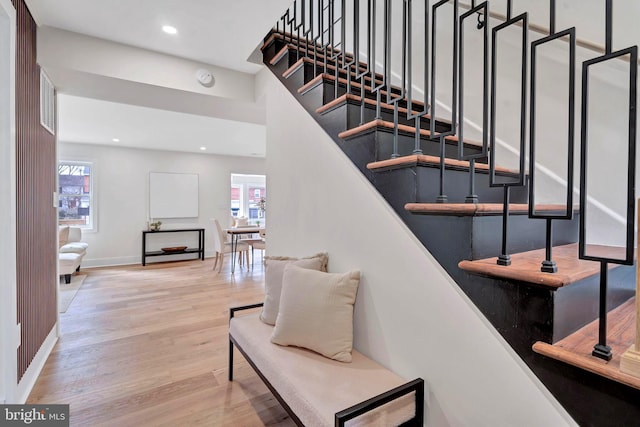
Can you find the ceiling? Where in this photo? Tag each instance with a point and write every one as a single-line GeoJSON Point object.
{"type": "Point", "coordinates": [219, 32]}
{"type": "Point", "coordinates": [100, 122]}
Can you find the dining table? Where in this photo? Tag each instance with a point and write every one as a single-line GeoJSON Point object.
{"type": "Point", "coordinates": [235, 233]}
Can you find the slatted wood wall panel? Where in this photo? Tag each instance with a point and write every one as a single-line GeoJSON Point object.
{"type": "Point", "coordinates": [36, 167]}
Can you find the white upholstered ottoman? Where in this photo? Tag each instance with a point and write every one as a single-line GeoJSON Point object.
{"type": "Point", "coordinates": [68, 263]}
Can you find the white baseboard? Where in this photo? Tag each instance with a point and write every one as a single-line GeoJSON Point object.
{"type": "Point", "coordinates": [33, 371]}
{"type": "Point", "coordinates": [109, 262]}
{"type": "Point", "coordinates": [132, 260]}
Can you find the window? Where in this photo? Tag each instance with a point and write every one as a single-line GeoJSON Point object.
{"type": "Point", "coordinates": [75, 193]}
{"type": "Point", "coordinates": [248, 197]}
{"type": "Point", "coordinates": [47, 103]}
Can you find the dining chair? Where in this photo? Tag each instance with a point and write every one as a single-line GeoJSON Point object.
{"type": "Point", "coordinates": [260, 244]}
{"type": "Point", "coordinates": [221, 247]}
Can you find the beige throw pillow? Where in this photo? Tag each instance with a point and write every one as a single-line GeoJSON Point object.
{"type": "Point", "coordinates": [274, 268]}
{"type": "Point", "coordinates": [316, 311]}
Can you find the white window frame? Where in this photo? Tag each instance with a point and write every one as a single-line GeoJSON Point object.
{"type": "Point", "coordinates": [47, 103]}
{"type": "Point", "coordinates": [93, 205]}
{"type": "Point", "coordinates": [244, 182]}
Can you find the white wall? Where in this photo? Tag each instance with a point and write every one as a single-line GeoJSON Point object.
{"type": "Point", "coordinates": [8, 332]}
{"type": "Point", "coordinates": [122, 191]}
{"type": "Point", "coordinates": [410, 315]}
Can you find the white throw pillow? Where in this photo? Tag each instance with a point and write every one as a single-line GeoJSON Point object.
{"type": "Point", "coordinates": [274, 269]}
{"type": "Point", "coordinates": [316, 311]}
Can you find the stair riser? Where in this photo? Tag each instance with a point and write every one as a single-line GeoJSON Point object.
{"type": "Point", "coordinates": [283, 65]}
{"type": "Point", "coordinates": [271, 50]}
{"type": "Point", "coordinates": [379, 143]}
{"type": "Point", "coordinates": [426, 181]}
{"type": "Point", "coordinates": [578, 304]}
{"type": "Point", "coordinates": [354, 115]}
{"type": "Point", "coordinates": [329, 94]}
{"type": "Point", "coordinates": [524, 234]}
{"type": "Point", "coordinates": [309, 74]}
{"type": "Point", "coordinates": [524, 313]}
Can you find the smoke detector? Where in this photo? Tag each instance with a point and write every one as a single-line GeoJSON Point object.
{"type": "Point", "coordinates": [205, 78]}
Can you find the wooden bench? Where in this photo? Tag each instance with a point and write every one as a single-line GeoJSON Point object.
{"type": "Point", "coordinates": [318, 391]}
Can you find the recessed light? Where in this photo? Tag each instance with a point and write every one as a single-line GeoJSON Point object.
{"type": "Point", "coordinates": [116, 140]}
{"type": "Point", "coordinates": [169, 29]}
{"type": "Point", "coordinates": [203, 148]}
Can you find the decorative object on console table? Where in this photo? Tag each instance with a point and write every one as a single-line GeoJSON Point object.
{"type": "Point", "coordinates": [174, 249]}
{"type": "Point", "coordinates": [155, 226]}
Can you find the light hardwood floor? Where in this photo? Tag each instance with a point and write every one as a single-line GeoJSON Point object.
{"type": "Point", "coordinates": [148, 346]}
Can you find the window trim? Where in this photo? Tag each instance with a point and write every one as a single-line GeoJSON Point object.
{"type": "Point", "coordinates": [47, 103]}
{"type": "Point", "coordinates": [93, 200]}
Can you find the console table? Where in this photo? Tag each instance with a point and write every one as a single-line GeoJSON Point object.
{"type": "Point", "coordinates": [199, 250]}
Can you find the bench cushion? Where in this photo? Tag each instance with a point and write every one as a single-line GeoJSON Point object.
{"type": "Point", "coordinates": [315, 387]}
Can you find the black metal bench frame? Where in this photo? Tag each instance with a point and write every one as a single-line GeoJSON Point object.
{"type": "Point", "coordinates": [347, 414]}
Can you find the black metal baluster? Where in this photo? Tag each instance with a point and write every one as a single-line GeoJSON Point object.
{"type": "Point", "coordinates": [322, 38]}
{"type": "Point", "coordinates": [483, 9]}
{"type": "Point", "coordinates": [548, 265]}
{"type": "Point", "coordinates": [442, 198]}
{"type": "Point", "coordinates": [346, 63]}
{"type": "Point", "coordinates": [454, 80]}
{"type": "Point", "coordinates": [298, 26]}
{"type": "Point", "coordinates": [395, 131]}
{"type": "Point", "coordinates": [336, 46]}
{"type": "Point", "coordinates": [362, 75]}
{"type": "Point", "coordinates": [601, 349]}
{"type": "Point", "coordinates": [392, 98]}
{"type": "Point", "coordinates": [316, 32]}
{"type": "Point", "coordinates": [375, 87]}
{"type": "Point", "coordinates": [504, 258]}
{"type": "Point", "coordinates": [305, 31]}
{"type": "Point", "coordinates": [417, 115]}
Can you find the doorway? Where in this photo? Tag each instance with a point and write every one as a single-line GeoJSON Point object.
{"type": "Point", "coordinates": [248, 198]}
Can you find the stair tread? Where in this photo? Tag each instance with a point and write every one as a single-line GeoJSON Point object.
{"type": "Point", "coordinates": [427, 160]}
{"type": "Point", "coordinates": [350, 133]}
{"type": "Point", "coordinates": [319, 56]}
{"type": "Point", "coordinates": [525, 266]}
{"type": "Point", "coordinates": [343, 99]}
{"type": "Point", "coordinates": [291, 45]}
{"type": "Point", "coordinates": [324, 76]}
{"type": "Point", "coordinates": [300, 62]}
{"type": "Point", "coordinates": [576, 348]}
{"type": "Point", "coordinates": [477, 209]}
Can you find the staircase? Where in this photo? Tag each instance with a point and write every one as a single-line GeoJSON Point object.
{"type": "Point", "coordinates": [428, 173]}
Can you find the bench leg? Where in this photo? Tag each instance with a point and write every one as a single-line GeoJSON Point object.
{"type": "Point", "coordinates": [67, 278]}
{"type": "Point", "coordinates": [230, 360]}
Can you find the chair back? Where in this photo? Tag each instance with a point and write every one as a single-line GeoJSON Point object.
{"type": "Point", "coordinates": [218, 236]}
